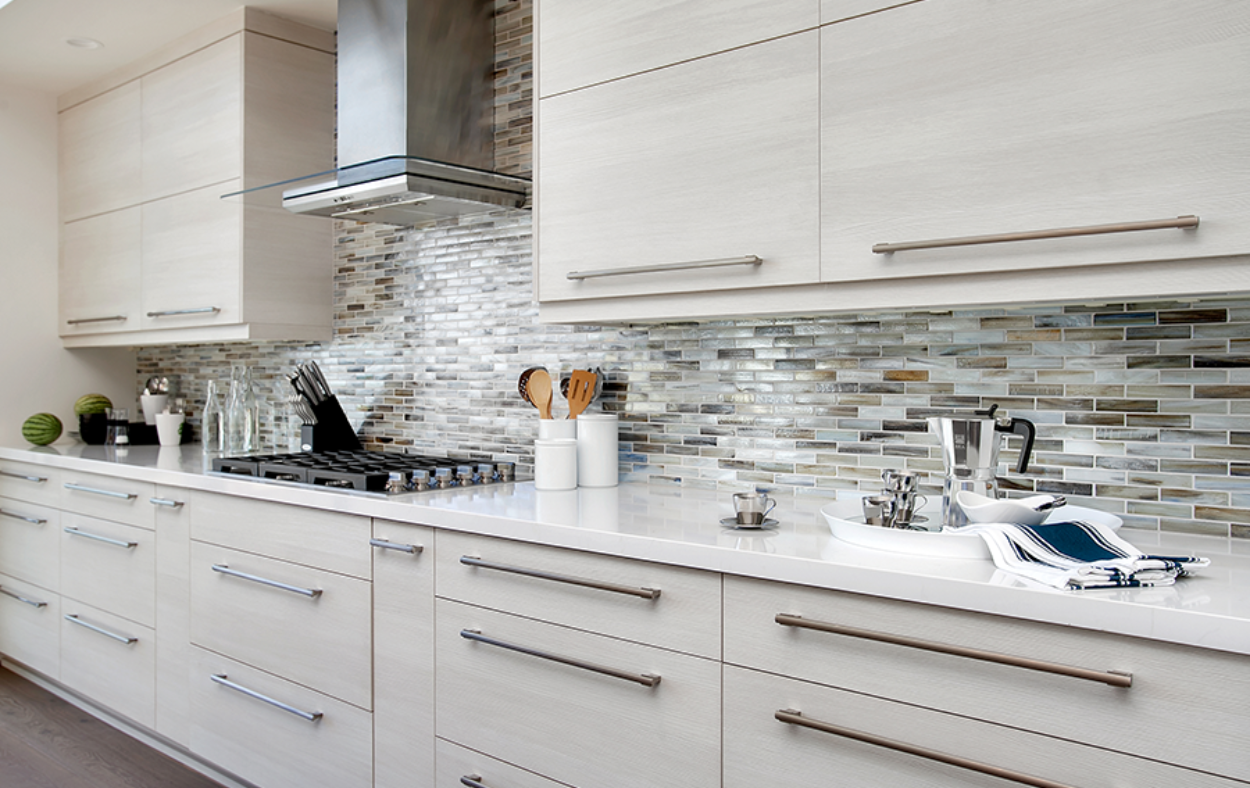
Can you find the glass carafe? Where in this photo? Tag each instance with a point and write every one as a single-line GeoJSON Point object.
{"type": "Point", "coordinates": [212, 423]}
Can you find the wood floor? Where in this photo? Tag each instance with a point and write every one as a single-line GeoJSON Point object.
{"type": "Point", "coordinates": [46, 742]}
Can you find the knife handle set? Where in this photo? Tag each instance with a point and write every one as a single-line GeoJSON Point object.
{"type": "Point", "coordinates": [325, 425]}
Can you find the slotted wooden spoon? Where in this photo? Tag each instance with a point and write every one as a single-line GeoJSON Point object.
{"type": "Point", "coordinates": [538, 390]}
{"type": "Point", "coordinates": [581, 391]}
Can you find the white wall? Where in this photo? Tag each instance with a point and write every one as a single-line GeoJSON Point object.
{"type": "Point", "coordinates": [36, 373]}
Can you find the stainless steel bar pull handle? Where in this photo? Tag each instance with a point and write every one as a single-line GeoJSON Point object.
{"type": "Point", "coordinates": [645, 679]}
{"type": "Point", "coordinates": [1179, 223]}
{"type": "Point", "coordinates": [94, 491]}
{"type": "Point", "coordinates": [199, 310]}
{"type": "Point", "coordinates": [106, 539]}
{"type": "Point", "coordinates": [226, 570]}
{"type": "Point", "coordinates": [645, 593]}
{"type": "Point", "coordinates": [80, 320]}
{"type": "Point", "coordinates": [24, 517]}
{"type": "Point", "coordinates": [127, 639]}
{"type": "Point", "coordinates": [223, 680]}
{"type": "Point", "coordinates": [165, 502]}
{"type": "Point", "coordinates": [24, 477]}
{"type": "Point", "coordinates": [403, 548]}
{"type": "Point", "coordinates": [20, 598]}
{"type": "Point", "coordinates": [720, 262]}
{"type": "Point", "coordinates": [792, 717]}
{"type": "Point", "coordinates": [1111, 677]}
{"type": "Point", "coordinates": [473, 781]}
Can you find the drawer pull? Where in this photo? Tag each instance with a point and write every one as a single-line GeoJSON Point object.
{"type": "Point", "coordinates": [93, 490]}
{"type": "Point", "coordinates": [20, 598]}
{"type": "Point", "coordinates": [200, 310]}
{"type": "Point", "coordinates": [311, 716]}
{"type": "Point", "coordinates": [645, 593]}
{"type": "Point", "coordinates": [74, 619]}
{"type": "Point", "coordinates": [660, 267]}
{"type": "Point", "coordinates": [412, 549]}
{"type": "Point", "coordinates": [1179, 223]}
{"type": "Point", "coordinates": [106, 539]}
{"type": "Point", "coordinates": [24, 477]}
{"type": "Point", "coordinates": [1112, 677]}
{"type": "Point", "coordinates": [472, 781]}
{"type": "Point", "coordinates": [225, 570]}
{"type": "Point", "coordinates": [792, 717]}
{"type": "Point", "coordinates": [165, 502]}
{"type": "Point", "coordinates": [645, 679]}
{"type": "Point", "coordinates": [108, 319]}
{"type": "Point", "coordinates": [24, 517]}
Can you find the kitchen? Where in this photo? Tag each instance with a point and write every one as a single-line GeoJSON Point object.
{"type": "Point", "coordinates": [1140, 402]}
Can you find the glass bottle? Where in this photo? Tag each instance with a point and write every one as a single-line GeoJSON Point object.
{"type": "Point", "coordinates": [211, 423]}
{"type": "Point", "coordinates": [251, 415]}
{"type": "Point", "coordinates": [235, 420]}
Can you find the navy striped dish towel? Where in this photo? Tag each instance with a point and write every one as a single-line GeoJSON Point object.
{"type": "Point", "coordinates": [1077, 555]}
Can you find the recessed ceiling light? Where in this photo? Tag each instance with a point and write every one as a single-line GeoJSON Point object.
{"type": "Point", "coordinates": [84, 43]}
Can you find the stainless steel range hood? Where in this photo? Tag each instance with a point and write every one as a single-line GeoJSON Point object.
{"type": "Point", "coordinates": [415, 104]}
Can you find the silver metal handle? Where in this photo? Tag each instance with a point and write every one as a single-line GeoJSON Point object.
{"type": "Point", "coordinates": [403, 548]}
{"type": "Point", "coordinates": [24, 477]}
{"type": "Point", "coordinates": [221, 678]}
{"type": "Point", "coordinates": [371, 208]}
{"type": "Point", "coordinates": [74, 619]}
{"type": "Point", "coordinates": [661, 267]}
{"type": "Point", "coordinates": [107, 540]}
{"type": "Point", "coordinates": [165, 502]}
{"type": "Point", "coordinates": [1179, 223]}
{"type": "Point", "coordinates": [20, 598]}
{"type": "Point", "coordinates": [645, 679]}
{"type": "Point", "coordinates": [792, 717]}
{"type": "Point", "coordinates": [645, 593]}
{"type": "Point", "coordinates": [109, 319]}
{"type": "Point", "coordinates": [199, 310]}
{"type": "Point", "coordinates": [473, 781]}
{"type": "Point", "coordinates": [1114, 678]}
{"type": "Point", "coordinates": [23, 517]}
{"type": "Point", "coordinates": [93, 490]}
{"type": "Point", "coordinates": [226, 570]}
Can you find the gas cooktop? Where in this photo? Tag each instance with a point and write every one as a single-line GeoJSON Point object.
{"type": "Point", "coordinates": [382, 473]}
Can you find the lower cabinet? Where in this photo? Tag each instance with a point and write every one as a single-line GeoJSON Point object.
{"type": "Point", "coordinates": [30, 625]}
{"type": "Point", "coordinates": [109, 659]}
{"type": "Point", "coordinates": [458, 766]}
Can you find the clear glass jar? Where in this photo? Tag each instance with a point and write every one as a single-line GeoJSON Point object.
{"type": "Point", "coordinates": [212, 423]}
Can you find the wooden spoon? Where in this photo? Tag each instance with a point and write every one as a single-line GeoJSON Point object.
{"type": "Point", "coordinates": [522, 383]}
{"type": "Point", "coordinates": [538, 389]}
{"type": "Point", "coordinates": [581, 391]}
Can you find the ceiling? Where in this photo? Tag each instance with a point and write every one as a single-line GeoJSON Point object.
{"type": "Point", "coordinates": [34, 55]}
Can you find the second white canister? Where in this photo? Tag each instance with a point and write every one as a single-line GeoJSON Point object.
{"type": "Point", "coordinates": [597, 458]}
{"type": "Point", "coordinates": [555, 464]}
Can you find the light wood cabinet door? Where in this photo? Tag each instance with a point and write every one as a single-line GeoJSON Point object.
{"type": "Point", "coordinates": [712, 159]}
{"type": "Point", "coordinates": [108, 497]}
{"type": "Point", "coordinates": [193, 121]}
{"type": "Point", "coordinates": [403, 655]}
{"type": "Point", "coordinates": [943, 120]}
{"type": "Point", "coordinates": [30, 625]}
{"type": "Point", "coordinates": [457, 764]}
{"type": "Point", "coordinates": [109, 566]}
{"type": "Point", "coordinates": [30, 542]}
{"type": "Point", "coordinates": [31, 483]}
{"type": "Point", "coordinates": [582, 44]}
{"type": "Point", "coordinates": [99, 289]}
{"type": "Point", "coordinates": [173, 613]}
{"type": "Point", "coordinates": [109, 659]}
{"type": "Point", "coordinates": [99, 153]}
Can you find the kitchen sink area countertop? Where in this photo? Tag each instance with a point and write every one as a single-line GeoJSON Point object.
{"type": "Point", "coordinates": [681, 526]}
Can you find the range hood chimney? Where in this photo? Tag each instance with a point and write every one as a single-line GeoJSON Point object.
{"type": "Point", "coordinates": [415, 136]}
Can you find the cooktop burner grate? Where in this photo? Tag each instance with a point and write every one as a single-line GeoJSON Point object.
{"type": "Point", "coordinates": [365, 471]}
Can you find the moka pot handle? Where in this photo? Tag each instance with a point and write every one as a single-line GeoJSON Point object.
{"type": "Point", "coordinates": [1025, 429]}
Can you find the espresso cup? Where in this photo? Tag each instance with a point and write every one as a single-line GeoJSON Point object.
{"type": "Point", "coordinates": [751, 508]}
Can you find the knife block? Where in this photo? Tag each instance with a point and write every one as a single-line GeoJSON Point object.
{"type": "Point", "coordinates": [332, 432]}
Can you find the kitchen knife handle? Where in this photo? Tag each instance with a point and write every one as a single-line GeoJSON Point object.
{"type": "Point", "coordinates": [199, 310]}
{"type": "Point", "coordinates": [1179, 223]}
{"type": "Point", "coordinates": [223, 680]}
{"type": "Point", "coordinates": [661, 267]}
{"type": "Point", "coordinates": [645, 593]}
{"type": "Point", "coordinates": [1112, 677]}
{"type": "Point", "coordinates": [645, 679]}
{"type": "Point", "coordinates": [792, 717]}
{"type": "Point", "coordinates": [308, 592]}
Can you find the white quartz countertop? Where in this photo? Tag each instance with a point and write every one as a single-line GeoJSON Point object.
{"type": "Point", "coordinates": [681, 526]}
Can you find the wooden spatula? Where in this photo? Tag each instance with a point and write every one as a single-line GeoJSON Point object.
{"type": "Point", "coordinates": [581, 391]}
{"type": "Point", "coordinates": [538, 388]}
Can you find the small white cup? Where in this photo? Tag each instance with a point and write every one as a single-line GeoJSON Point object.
{"type": "Point", "coordinates": [152, 405]}
{"type": "Point", "coordinates": [169, 428]}
{"type": "Point", "coordinates": [555, 464]}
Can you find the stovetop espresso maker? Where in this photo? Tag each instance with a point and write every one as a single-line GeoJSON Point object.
{"type": "Point", "coordinates": [970, 455]}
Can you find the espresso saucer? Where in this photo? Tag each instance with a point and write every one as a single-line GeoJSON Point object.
{"type": "Point", "coordinates": [732, 522]}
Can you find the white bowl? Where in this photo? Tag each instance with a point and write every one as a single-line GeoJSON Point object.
{"type": "Point", "coordinates": [846, 523]}
{"type": "Point", "coordinates": [981, 509]}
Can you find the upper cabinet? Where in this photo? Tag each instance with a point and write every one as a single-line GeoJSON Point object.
{"type": "Point", "coordinates": [1004, 121]}
{"type": "Point", "coordinates": [150, 253]}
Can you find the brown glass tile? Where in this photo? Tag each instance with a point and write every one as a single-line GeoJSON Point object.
{"type": "Point", "coordinates": [1194, 316]}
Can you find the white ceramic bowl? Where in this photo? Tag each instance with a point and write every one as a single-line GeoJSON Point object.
{"type": "Point", "coordinates": [981, 509]}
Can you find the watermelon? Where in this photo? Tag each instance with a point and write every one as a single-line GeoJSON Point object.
{"type": "Point", "coordinates": [41, 429]}
{"type": "Point", "coordinates": [92, 403]}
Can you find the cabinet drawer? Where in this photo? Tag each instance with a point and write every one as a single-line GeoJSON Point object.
{"type": "Point", "coordinates": [109, 498]}
{"type": "Point", "coordinates": [650, 603]}
{"type": "Point", "coordinates": [403, 655]}
{"type": "Point", "coordinates": [110, 660]}
{"type": "Point", "coordinates": [764, 752]}
{"type": "Point", "coordinates": [314, 629]}
{"type": "Point", "coordinates": [326, 540]}
{"type": "Point", "coordinates": [457, 764]}
{"type": "Point", "coordinates": [272, 746]}
{"type": "Point", "coordinates": [30, 542]}
{"type": "Point", "coordinates": [109, 565]}
{"type": "Point", "coordinates": [1173, 687]}
{"type": "Point", "coordinates": [30, 625]}
{"type": "Point", "coordinates": [30, 483]}
{"type": "Point", "coordinates": [568, 722]}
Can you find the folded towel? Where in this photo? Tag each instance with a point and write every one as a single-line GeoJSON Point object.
{"type": "Point", "coordinates": [1078, 555]}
